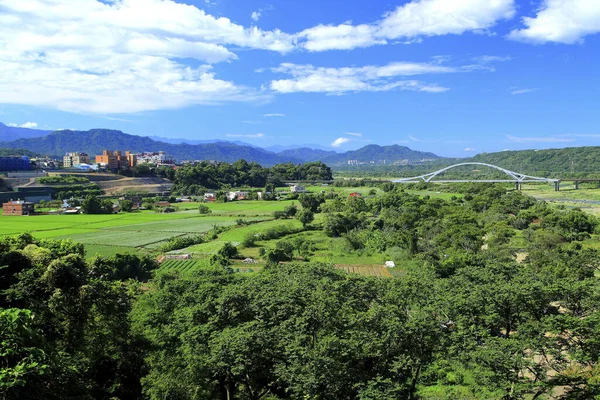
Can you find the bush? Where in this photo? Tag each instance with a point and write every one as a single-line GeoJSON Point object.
{"type": "Point", "coordinates": [204, 209]}
{"type": "Point", "coordinates": [290, 211]}
{"type": "Point", "coordinates": [305, 217]}
{"type": "Point", "coordinates": [126, 205]}
{"type": "Point", "coordinates": [249, 240]}
{"type": "Point", "coordinates": [279, 215]}
{"type": "Point", "coordinates": [228, 251]}
{"type": "Point", "coordinates": [181, 243]}
{"type": "Point", "coordinates": [62, 179]}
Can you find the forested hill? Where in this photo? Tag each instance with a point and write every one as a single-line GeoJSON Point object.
{"type": "Point", "coordinates": [552, 163]}
{"type": "Point", "coordinates": [94, 141]}
{"type": "Point", "coordinates": [378, 154]}
{"type": "Point", "coordinates": [17, 152]}
{"type": "Point", "coordinates": [306, 154]}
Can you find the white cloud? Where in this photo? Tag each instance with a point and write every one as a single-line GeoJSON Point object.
{"type": "Point", "coordinates": [255, 15]}
{"type": "Point", "coordinates": [523, 91]}
{"type": "Point", "coordinates": [539, 139]}
{"type": "Point", "coordinates": [414, 139]}
{"type": "Point", "coordinates": [561, 21]}
{"type": "Point", "coordinates": [355, 134]}
{"type": "Point", "coordinates": [120, 56]}
{"type": "Point", "coordinates": [250, 136]}
{"type": "Point", "coordinates": [490, 59]}
{"type": "Point", "coordinates": [581, 135]}
{"type": "Point", "coordinates": [470, 149]}
{"type": "Point", "coordinates": [274, 115]}
{"type": "Point", "coordinates": [411, 21]}
{"type": "Point", "coordinates": [307, 78]}
{"type": "Point", "coordinates": [340, 37]}
{"type": "Point", "coordinates": [340, 141]}
{"type": "Point", "coordinates": [28, 125]}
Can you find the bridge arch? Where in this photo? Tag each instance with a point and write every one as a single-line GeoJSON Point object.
{"type": "Point", "coordinates": [514, 176]}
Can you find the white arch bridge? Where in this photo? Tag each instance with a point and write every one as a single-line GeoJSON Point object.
{"type": "Point", "coordinates": [512, 177]}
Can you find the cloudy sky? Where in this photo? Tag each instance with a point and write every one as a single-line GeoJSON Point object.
{"type": "Point", "coordinates": [455, 77]}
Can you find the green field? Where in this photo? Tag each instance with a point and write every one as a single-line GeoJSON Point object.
{"type": "Point", "coordinates": [587, 197]}
{"type": "Point", "coordinates": [247, 208]}
{"type": "Point", "coordinates": [237, 235]}
{"type": "Point", "coordinates": [182, 265]}
{"type": "Point", "coordinates": [146, 231]}
{"type": "Point", "coordinates": [128, 232]}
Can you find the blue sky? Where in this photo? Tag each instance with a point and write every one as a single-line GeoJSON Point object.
{"type": "Point", "coordinates": [453, 77]}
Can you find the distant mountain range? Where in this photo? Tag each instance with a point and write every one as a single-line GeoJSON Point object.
{"type": "Point", "coordinates": [192, 141]}
{"type": "Point", "coordinates": [8, 133]}
{"type": "Point", "coordinates": [575, 161]}
{"type": "Point", "coordinates": [95, 140]}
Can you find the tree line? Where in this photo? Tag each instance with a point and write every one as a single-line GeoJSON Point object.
{"type": "Point", "coordinates": [197, 179]}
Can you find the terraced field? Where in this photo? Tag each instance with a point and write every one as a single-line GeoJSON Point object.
{"type": "Point", "coordinates": [182, 265]}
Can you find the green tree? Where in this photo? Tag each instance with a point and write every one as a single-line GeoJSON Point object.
{"type": "Point", "coordinates": [305, 216]}
{"type": "Point", "coordinates": [204, 209]}
{"type": "Point", "coordinates": [309, 202]}
{"type": "Point", "coordinates": [24, 358]}
{"type": "Point", "coordinates": [93, 205]}
{"type": "Point", "coordinates": [126, 205]}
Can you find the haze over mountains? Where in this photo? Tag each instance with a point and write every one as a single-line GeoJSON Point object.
{"type": "Point", "coordinates": [14, 132]}
{"type": "Point", "coordinates": [58, 143]}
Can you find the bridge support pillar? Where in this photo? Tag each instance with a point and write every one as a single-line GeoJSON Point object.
{"type": "Point", "coordinates": [576, 185]}
{"type": "Point", "coordinates": [557, 186]}
{"type": "Point", "coordinates": [518, 185]}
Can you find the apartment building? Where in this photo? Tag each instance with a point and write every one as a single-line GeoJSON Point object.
{"type": "Point", "coordinates": [76, 158]}
{"type": "Point", "coordinates": [116, 159]}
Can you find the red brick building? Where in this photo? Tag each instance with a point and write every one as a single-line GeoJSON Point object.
{"type": "Point", "coordinates": [18, 208]}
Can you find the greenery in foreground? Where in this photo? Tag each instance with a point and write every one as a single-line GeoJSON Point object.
{"type": "Point", "coordinates": [467, 321]}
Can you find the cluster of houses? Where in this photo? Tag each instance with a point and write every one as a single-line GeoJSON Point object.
{"type": "Point", "coordinates": [242, 195]}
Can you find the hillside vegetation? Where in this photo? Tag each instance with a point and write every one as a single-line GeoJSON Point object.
{"type": "Point", "coordinates": [573, 162]}
{"type": "Point", "coordinates": [377, 153]}
{"type": "Point", "coordinates": [552, 163]}
{"type": "Point", "coordinates": [17, 152]}
{"type": "Point", "coordinates": [494, 296]}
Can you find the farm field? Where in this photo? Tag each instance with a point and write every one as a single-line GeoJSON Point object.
{"type": "Point", "coordinates": [587, 197]}
{"type": "Point", "coordinates": [185, 266]}
{"type": "Point", "coordinates": [182, 265]}
{"type": "Point", "coordinates": [112, 234]}
{"type": "Point", "coordinates": [145, 231]}
{"type": "Point", "coordinates": [247, 208]}
{"type": "Point", "coordinates": [237, 235]}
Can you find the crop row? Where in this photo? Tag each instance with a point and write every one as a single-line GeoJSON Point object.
{"type": "Point", "coordinates": [181, 265]}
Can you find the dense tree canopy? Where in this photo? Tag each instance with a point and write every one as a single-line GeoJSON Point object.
{"type": "Point", "coordinates": [499, 299]}
{"type": "Point", "coordinates": [194, 179]}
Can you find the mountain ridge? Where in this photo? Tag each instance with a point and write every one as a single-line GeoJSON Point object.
{"type": "Point", "coordinates": [8, 133]}
{"type": "Point", "coordinates": [93, 141]}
